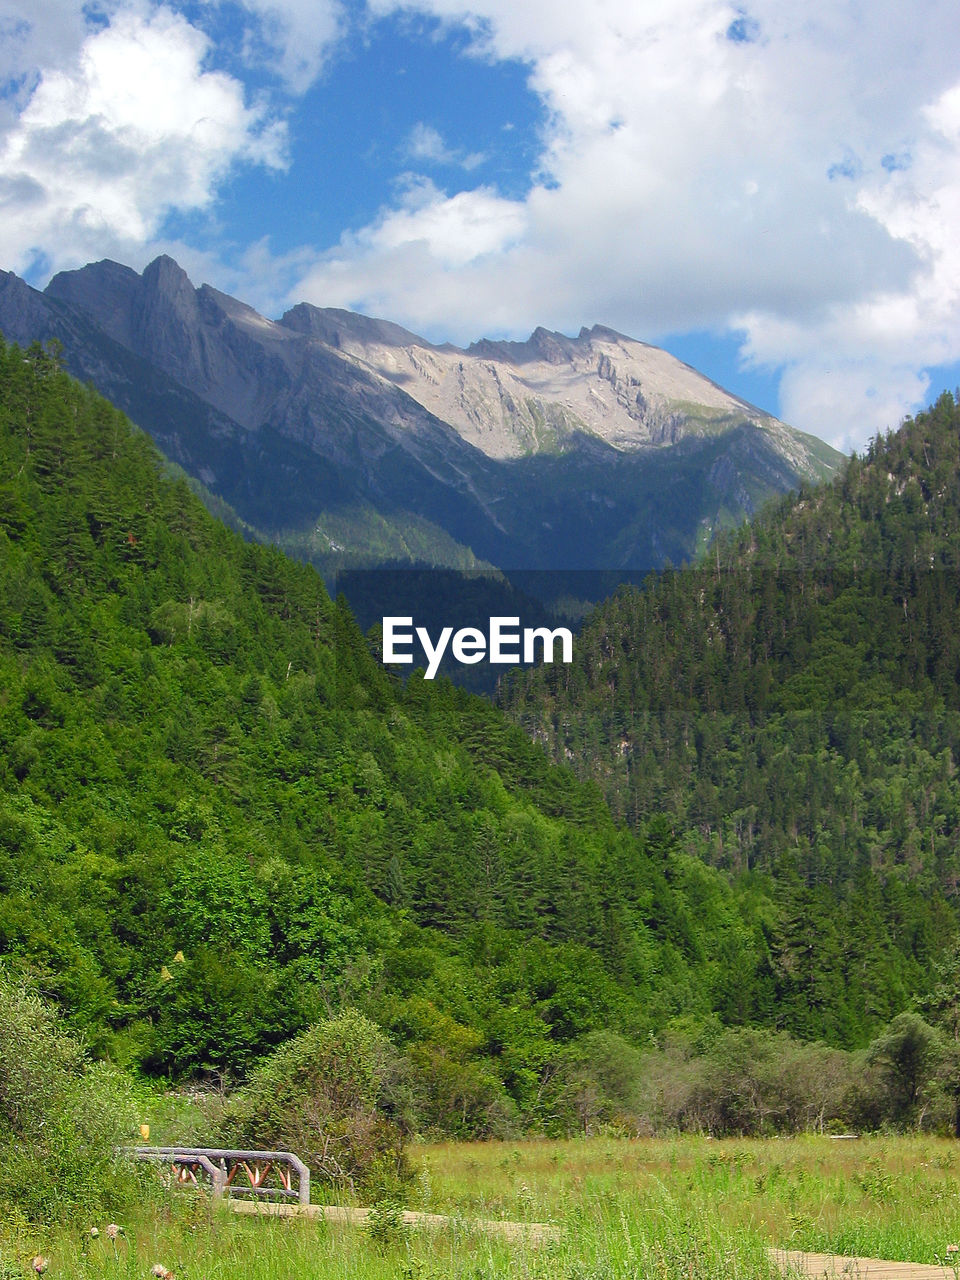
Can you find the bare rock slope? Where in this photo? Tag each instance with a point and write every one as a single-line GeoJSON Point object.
{"type": "Point", "coordinates": [511, 399]}
{"type": "Point", "coordinates": [355, 442]}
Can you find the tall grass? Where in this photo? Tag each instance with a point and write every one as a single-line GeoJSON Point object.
{"type": "Point", "coordinates": [604, 1239]}
{"type": "Point", "coordinates": [890, 1197]}
{"type": "Point", "coordinates": [688, 1208]}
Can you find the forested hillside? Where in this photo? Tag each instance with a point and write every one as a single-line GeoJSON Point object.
{"type": "Point", "coordinates": [220, 819]}
{"type": "Point", "coordinates": [794, 704]}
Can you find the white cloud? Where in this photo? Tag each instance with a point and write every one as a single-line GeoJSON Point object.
{"type": "Point", "coordinates": [789, 170]}
{"type": "Point", "coordinates": [425, 143]}
{"type": "Point", "coordinates": [425, 252]}
{"type": "Point", "coordinates": [113, 139]}
{"type": "Point", "coordinates": [872, 351]}
{"type": "Point", "coordinates": [26, 42]}
{"type": "Point", "coordinates": [455, 231]}
{"type": "Point", "coordinates": [294, 37]}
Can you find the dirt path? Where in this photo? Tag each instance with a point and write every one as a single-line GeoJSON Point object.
{"type": "Point", "coordinates": [530, 1232]}
{"type": "Point", "coordinates": [837, 1268]}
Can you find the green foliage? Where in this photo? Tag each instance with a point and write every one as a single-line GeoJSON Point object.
{"type": "Point", "coordinates": [794, 704]}
{"type": "Point", "coordinates": [61, 1117]}
{"type": "Point", "coordinates": [385, 1225]}
{"type": "Point", "coordinates": [908, 1055]}
{"type": "Point", "coordinates": [329, 1095]}
{"type": "Point", "coordinates": [601, 1084]}
{"type": "Point", "coordinates": [220, 820]}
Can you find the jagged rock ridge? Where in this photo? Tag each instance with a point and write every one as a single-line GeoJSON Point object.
{"type": "Point", "coordinates": [516, 398]}
{"type": "Point", "coordinates": [351, 437]}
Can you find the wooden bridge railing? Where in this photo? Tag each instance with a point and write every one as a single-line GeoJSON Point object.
{"type": "Point", "coordinates": [268, 1175]}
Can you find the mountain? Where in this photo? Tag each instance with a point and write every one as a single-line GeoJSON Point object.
{"type": "Point", "coordinates": [353, 442]}
{"type": "Point", "coordinates": [513, 399]}
{"type": "Point", "coordinates": [828, 622]}
{"type": "Point", "coordinates": [793, 703]}
{"type": "Point", "coordinates": [275, 426]}
{"type": "Point", "coordinates": [220, 818]}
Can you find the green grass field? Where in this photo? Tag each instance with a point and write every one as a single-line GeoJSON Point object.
{"type": "Point", "coordinates": [689, 1207]}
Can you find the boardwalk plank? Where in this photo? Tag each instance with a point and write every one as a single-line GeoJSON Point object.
{"type": "Point", "coordinates": [531, 1232]}
{"type": "Point", "coordinates": [834, 1267]}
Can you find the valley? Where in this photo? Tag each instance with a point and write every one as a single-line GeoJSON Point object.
{"type": "Point", "coordinates": [229, 837]}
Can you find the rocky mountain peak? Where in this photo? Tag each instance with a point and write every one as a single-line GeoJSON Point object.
{"type": "Point", "coordinates": [22, 310]}
{"type": "Point", "coordinates": [166, 305]}
{"type": "Point", "coordinates": [338, 328]}
{"type": "Point", "coordinates": [603, 333]}
{"type": "Point", "coordinates": [551, 347]}
{"type": "Point", "coordinates": [555, 450]}
{"type": "Point", "coordinates": [106, 290]}
{"type": "Point", "coordinates": [165, 276]}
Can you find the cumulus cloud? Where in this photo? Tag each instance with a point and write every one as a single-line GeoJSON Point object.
{"type": "Point", "coordinates": [786, 173]}
{"type": "Point", "coordinates": [112, 140]}
{"type": "Point", "coordinates": [873, 351]}
{"type": "Point", "coordinates": [791, 172]}
{"type": "Point", "coordinates": [29, 41]}
{"type": "Point", "coordinates": [424, 252]}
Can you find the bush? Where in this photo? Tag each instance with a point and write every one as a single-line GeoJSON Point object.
{"type": "Point", "coordinates": [328, 1095]}
{"type": "Point", "coordinates": [61, 1118]}
{"type": "Point", "coordinates": [907, 1054]}
{"type": "Point", "coordinates": [600, 1083]}
{"type": "Point", "coordinates": [743, 1081]}
{"type": "Point", "coordinates": [448, 1088]}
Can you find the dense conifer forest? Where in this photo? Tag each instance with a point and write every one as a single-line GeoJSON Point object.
{"type": "Point", "coordinates": [793, 704]}
{"type": "Point", "coordinates": [221, 819]}
{"type": "Point", "coordinates": [222, 822]}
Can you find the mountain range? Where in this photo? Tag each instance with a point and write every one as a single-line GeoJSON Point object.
{"type": "Point", "coordinates": [219, 816]}
{"type": "Point", "coordinates": [353, 442]}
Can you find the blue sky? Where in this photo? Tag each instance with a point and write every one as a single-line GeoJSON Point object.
{"type": "Point", "coordinates": [769, 191]}
{"type": "Point", "coordinates": [401, 97]}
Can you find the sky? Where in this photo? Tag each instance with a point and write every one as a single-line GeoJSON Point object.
{"type": "Point", "coordinates": [771, 191]}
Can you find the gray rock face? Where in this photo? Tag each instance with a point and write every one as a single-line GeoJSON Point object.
{"type": "Point", "coordinates": [22, 309]}
{"type": "Point", "coordinates": [186, 332]}
{"type": "Point", "coordinates": [108, 287]}
{"type": "Point", "coordinates": [515, 399]}
{"type": "Point", "coordinates": [344, 434]}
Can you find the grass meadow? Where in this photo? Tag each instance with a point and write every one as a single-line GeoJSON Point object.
{"type": "Point", "coordinates": [687, 1208]}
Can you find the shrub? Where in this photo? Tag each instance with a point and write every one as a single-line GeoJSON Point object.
{"type": "Point", "coordinates": [61, 1118]}
{"type": "Point", "coordinates": [449, 1089]}
{"type": "Point", "coordinates": [600, 1084]}
{"type": "Point", "coordinates": [741, 1080]}
{"type": "Point", "coordinates": [754, 1081]}
{"type": "Point", "coordinates": [907, 1053]}
{"type": "Point", "coordinates": [385, 1225]}
{"type": "Point", "coordinates": [327, 1095]}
